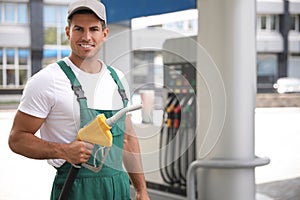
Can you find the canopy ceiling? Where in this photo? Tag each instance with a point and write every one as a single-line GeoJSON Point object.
{"type": "Point", "coordinates": [118, 11]}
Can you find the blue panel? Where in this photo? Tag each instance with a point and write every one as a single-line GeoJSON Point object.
{"type": "Point", "coordinates": [65, 53]}
{"type": "Point", "coordinates": [50, 53]}
{"type": "Point", "coordinates": [23, 53]}
{"type": "Point", "coordinates": [125, 10]}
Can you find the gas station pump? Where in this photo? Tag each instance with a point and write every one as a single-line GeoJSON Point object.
{"type": "Point", "coordinates": [177, 136]}
{"type": "Point", "coordinates": [178, 131]}
{"type": "Point", "coordinates": [176, 139]}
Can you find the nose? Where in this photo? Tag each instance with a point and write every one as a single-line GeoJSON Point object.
{"type": "Point", "coordinates": [86, 35]}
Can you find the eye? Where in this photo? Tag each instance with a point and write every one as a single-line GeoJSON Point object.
{"type": "Point", "coordinates": [95, 29]}
{"type": "Point", "coordinates": [77, 28]}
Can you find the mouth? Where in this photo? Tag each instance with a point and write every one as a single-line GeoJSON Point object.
{"type": "Point", "coordinates": [87, 46]}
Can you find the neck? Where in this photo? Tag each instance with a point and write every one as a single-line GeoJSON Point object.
{"type": "Point", "coordinates": [87, 65]}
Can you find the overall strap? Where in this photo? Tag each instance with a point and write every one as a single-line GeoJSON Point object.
{"type": "Point", "coordinates": [76, 86]}
{"type": "Point", "coordinates": [121, 89]}
{"type": "Point", "coordinates": [85, 116]}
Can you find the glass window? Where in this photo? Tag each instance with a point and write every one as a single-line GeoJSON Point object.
{"type": "Point", "coordinates": [50, 35]}
{"type": "Point", "coordinates": [273, 22]}
{"type": "Point", "coordinates": [22, 13]}
{"type": "Point", "coordinates": [1, 56]}
{"type": "Point", "coordinates": [294, 20]}
{"type": "Point", "coordinates": [63, 15]}
{"type": "Point", "coordinates": [22, 76]}
{"type": "Point", "coordinates": [10, 55]}
{"type": "Point", "coordinates": [1, 77]}
{"type": "Point", "coordinates": [50, 15]}
{"type": "Point", "coordinates": [9, 12]}
{"type": "Point", "coordinates": [1, 12]}
{"type": "Point", "coordinates": [263, 22]}
{"type": "Point", "coordinates": [49, 56]}
{"type": "Point", "coordinates": [64, 40]}
{"type": "Point", "coordinates": [266, 68]}
{"type": "Point", "coordinates": [23, 56]}
{"type": "Point", "coordinates": [10, 75]}
{"type": "Point", "coordinates": [55, 20]}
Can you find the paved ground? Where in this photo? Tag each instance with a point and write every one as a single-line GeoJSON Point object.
{"type": "Point", "coordinates": [281, 190]}
{"type": "Point", "coordinates": [21, 178]}
{"type": "Point", "coordinates": [277, 137]}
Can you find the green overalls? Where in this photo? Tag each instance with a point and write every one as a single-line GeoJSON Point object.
{"type": "Point", "coordinates": [111, 182]}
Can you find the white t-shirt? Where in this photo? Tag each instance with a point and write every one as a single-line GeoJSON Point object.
{"type": "Point", "coordinates": [48, 94]}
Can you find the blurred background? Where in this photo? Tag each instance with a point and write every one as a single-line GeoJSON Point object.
{"type": "Point", "coordinates": [156, 44]}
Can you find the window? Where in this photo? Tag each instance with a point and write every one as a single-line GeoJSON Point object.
{"type": "Point", "coordinates": [266, 71]}
{"type": "Point", "coordinates": [14, 67]}
{"type": "Point", "coordinates": [1, 56]}
{"type": "Point", "coordinates": [273, 22]}
{"type": "Point", "coordinates": [22, 13]}
{"type": "Point", "coordinates": [13, 13]}
{"type": "Point", "coordinates": [294, 23]}
{"type": "Point", "coordinates": [23, 57]}
{"type": "Point", "coordinates": [56, 43]}
{"type": "Point", "coordinates": [263, 22]}
{"type": "Point", "coordinates": [9, 9]}
{"type": "Point", "coordinates": [10, 56]}
{"type": "Point", "coordinates": [267, 22]}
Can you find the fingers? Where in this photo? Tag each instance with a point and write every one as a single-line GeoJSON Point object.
{"type": "Point", "coordinates": [85, 151]}
{"type": "Point", "coordinates": [79, 152]}
{"type": "Point", "coordinates": [88, 145]}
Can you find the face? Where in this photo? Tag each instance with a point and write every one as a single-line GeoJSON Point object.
{"type": "Point", "coordinates": [86, 37]}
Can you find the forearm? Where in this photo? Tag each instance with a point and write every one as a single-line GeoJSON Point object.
{"type": "Point", "coordinates": [133, 165]}
{"type": "Point", "coordinates": [22, 140]}
{"type": "Point", "coordinates": [31, 146]}
{"type": "Point", "coordinates": [132, 159]}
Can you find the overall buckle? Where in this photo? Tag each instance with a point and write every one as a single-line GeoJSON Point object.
{"type": "Point", "coordinates": [78, 92]}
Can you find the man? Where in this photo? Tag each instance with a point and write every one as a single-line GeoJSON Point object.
{"type": "Point", "coordinates": [49, 104]}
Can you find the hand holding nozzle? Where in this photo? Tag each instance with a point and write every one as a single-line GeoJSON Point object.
{"type": "Point", "coordinates": [98, 130]}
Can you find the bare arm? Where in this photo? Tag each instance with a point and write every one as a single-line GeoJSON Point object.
{"type": "Point", "coordinates": [22, 140]}
{"type": "Point", "coordinates": [132, 161]}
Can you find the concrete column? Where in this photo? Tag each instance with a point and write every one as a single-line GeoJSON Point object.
{"type": "Point", "coordinates": [226, 97]}
{"type": "Point", "coordinates": [284, 28]}
{"type": "Point", "coordinates": [36, 35]}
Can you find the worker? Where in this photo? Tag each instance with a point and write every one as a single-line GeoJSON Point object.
{"type": "Point", "coordinates": [50, 104]}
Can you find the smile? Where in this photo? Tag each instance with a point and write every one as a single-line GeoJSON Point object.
{"type": "Point", "coordinates": [86, 45]}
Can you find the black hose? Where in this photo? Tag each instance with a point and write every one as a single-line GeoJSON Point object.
{"type": "Point", "coordinates": [165, 134]}
{"type": "Point", "coordinates": [69, 183]}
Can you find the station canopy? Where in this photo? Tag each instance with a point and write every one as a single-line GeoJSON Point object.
{"type": "Point", "coordinates": [118, 11]}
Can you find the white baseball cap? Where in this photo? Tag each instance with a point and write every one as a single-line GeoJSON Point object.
{"type": "Point", "coordinates": [94, 5]}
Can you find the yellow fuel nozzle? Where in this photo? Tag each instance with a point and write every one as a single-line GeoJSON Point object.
{"type": "Point", "coordinates": [98, 130]}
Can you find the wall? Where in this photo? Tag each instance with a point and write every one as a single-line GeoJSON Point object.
{"type": "Point", "coordinates": [278, 100]}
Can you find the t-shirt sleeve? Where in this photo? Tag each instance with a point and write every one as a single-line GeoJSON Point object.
{"type": "Point", "coordinates": [39, 95]}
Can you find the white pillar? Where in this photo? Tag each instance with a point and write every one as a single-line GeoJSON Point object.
{"type": "Point", "coordinates": [117, 50]}
{"type": "Point", "coordinates": [226, 121]}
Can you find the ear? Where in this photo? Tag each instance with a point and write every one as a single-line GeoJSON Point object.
{"type": "Point", "coordinates": [67, 30]}
{"type": "Point", "coordinates": [105, 34]}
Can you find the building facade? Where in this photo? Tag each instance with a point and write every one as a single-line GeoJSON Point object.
{"type": "Point", "coordinates": [32, 36]}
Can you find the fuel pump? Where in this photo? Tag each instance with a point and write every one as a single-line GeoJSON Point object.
{"type": "Point", "coordinates": [176, 138]}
